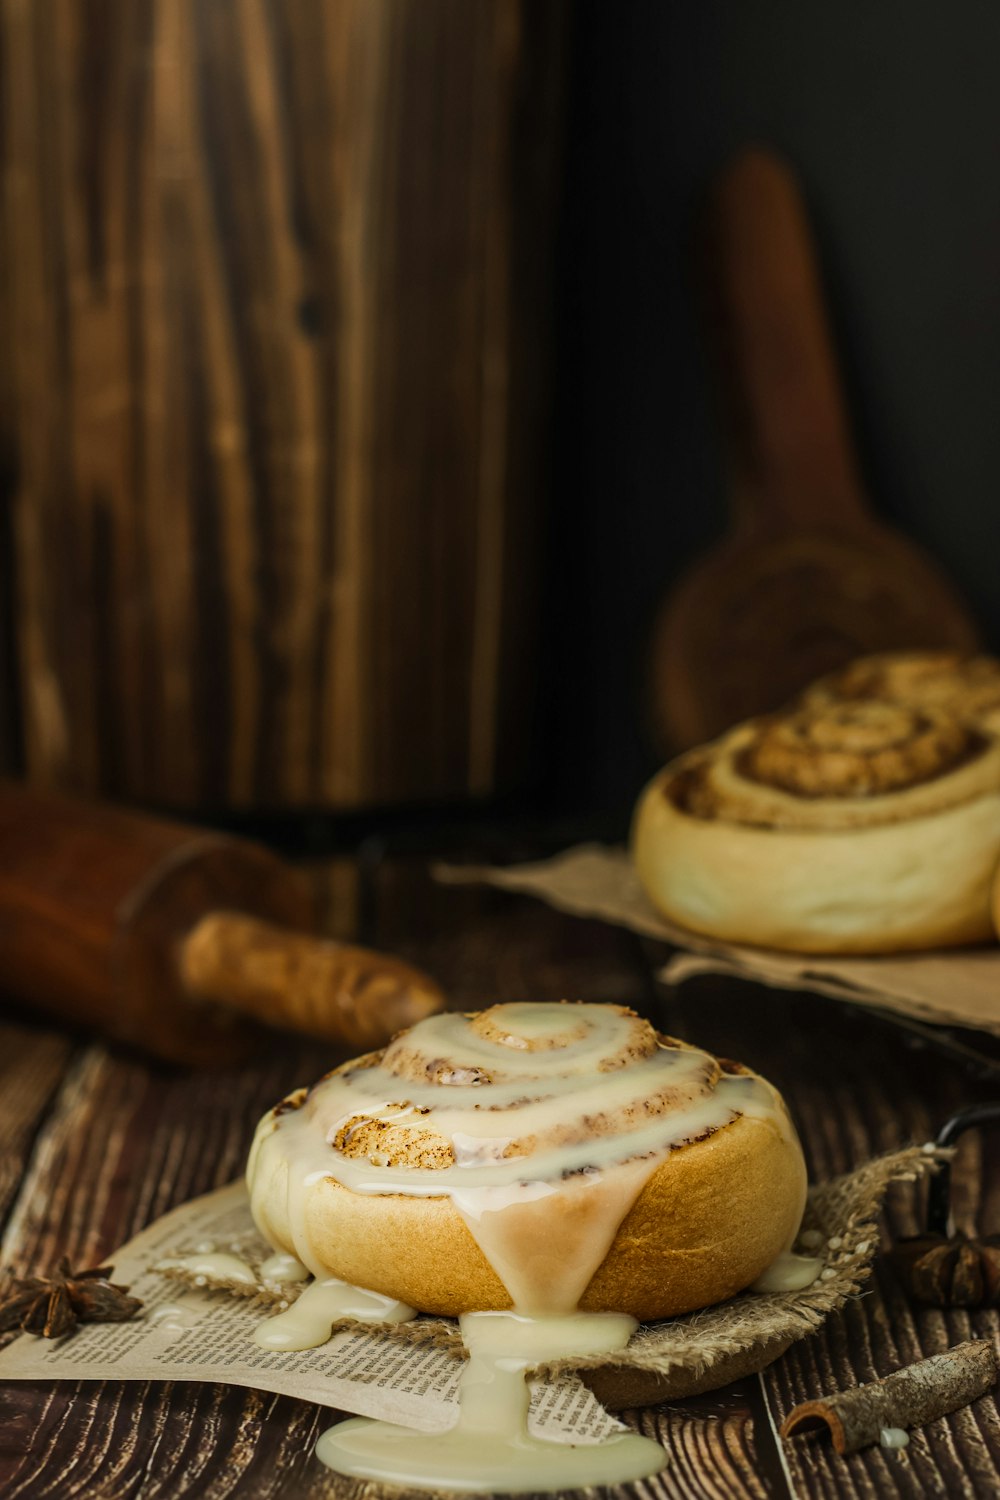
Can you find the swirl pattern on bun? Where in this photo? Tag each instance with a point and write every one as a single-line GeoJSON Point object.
{"type": "Point", "coordinates": [844, 826]}
{"type": "Point", "coordinates": [536, 1156]}
{"type": "Point", "coordinates": [954, 682]}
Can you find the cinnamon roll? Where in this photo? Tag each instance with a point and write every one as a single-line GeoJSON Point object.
{"type": "Point", "coordinates": [955, 682]}
{"type": "Point", "coordinates": [853, 826]}
{"type": "Point", "coordinates": [537, 1157]}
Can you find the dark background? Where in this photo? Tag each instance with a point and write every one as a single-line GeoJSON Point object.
{"type": "Point", "coordinates": [353, 428]}
{"type": "Point", "coordinates": [889, 112]}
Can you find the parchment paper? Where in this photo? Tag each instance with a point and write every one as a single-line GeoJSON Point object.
{"type": "Point", "coordinates": [959, 987]}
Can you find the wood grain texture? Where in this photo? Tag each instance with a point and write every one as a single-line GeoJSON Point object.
{"type": "Point", "coordinates": [32, 1065]}
{"type": "Point", "coordinates": [10, 693]}
{"type": "Point", "coordinates": [111, 1158]}
{"type": "Point", "coordinates": [124, 1142]}
{"type": "Point", "coordinates": [277, 360]}
{"type": "Point", "coordinates": [856, 1087]}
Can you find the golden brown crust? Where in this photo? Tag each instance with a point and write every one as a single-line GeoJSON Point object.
{"type": "Point", "coordinates": [856, 749]}
{"type": "Point", "coordinates": [834, 767]}
{"type": "Point", "coordinates": [957, 682]}
{"type": "Point", "coordinates": [710, 1219]}
{"type": "Point", "coordinates": [994, 901]}
{"type": "Point", "coordinates": [837, 827]}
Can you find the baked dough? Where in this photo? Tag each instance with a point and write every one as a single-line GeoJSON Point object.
{"type": "Point", "coordinates": [711, 1216]}
{"type": "Point", "coordinates": [854, 826]}
{"type": "Point", "coordinates": [955, 682]}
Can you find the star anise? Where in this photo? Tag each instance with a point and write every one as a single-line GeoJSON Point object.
{"type": "Point", "coordinates": [53, 1305]}
{"type": "Point", "coordinates": [950, 1271]}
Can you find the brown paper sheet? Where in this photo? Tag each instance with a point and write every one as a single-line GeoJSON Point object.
{"type": "Point", "coordinates": [958, 988]}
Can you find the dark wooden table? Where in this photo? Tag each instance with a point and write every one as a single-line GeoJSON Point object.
{"type": "Point", "coordinates": [95, 1144]}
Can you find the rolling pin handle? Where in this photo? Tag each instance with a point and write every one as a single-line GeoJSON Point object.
{"type": "Point", "coordinates": [330, 990]}
{"type": "Point", "coordinates": [791, 451]}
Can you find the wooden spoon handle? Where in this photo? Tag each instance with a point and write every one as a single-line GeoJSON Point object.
{"type": "Point", "coordinates": [788, 434]}
{"type": "Point", "coordinates": [325, 989]}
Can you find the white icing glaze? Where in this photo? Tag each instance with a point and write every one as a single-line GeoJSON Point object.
{"type": "Point", "coordinates": [307, 1323]}
{"type": "Point", "coordinates": [522, 1113]}
{"type": "Point", "coordinates": [490, 1447]}
{"type": "Point", "coordinates": [171, 1317]}
{"type": "Point", "coordinates": [534, 1105]}
{"type": "Point", "coordinates": [788, 1273]}
{"type": "Point", "coordinates": [284, 1268]}
{"type": "Point", "coordinates": [217, 1266]}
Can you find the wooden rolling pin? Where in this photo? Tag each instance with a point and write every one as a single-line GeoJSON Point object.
{"type": "Point", "coordinates": [177, 940]}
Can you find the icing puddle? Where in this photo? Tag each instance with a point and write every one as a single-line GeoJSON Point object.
{"type": "Point", "coordinates": [490, 1448]}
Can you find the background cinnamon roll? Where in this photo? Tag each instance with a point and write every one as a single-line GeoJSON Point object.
{"type": "Point", "coordinates": [842, 826]}
{"type": "Point", "coordinates": [955, 682]}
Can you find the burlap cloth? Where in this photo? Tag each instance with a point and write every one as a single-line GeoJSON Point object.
{"type": "Point", "coordinates": [959, 987]}
{"type": "Point", "coordinates": [703, 1350]}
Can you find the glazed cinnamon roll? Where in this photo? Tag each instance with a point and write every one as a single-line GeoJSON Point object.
{"type": "Point", "coordinates": [535, 1156]}
{"type": "Point", "coordinates": [953, 681]}
{"type": "Point", "coordinates": [855, 826]}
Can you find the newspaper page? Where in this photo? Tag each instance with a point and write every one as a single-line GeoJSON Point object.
{"type": "Point", "coordinates": [190, 1333]}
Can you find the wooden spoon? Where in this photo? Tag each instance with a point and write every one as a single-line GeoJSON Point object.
{"type": "Point", "coordinates": [806, 578]}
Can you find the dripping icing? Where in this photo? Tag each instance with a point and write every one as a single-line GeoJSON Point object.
{"type": "Point", "coordinates": [283, 1268]}
{"type": "Point", "coordinates": [310, 1319]}
{"type": "Point", "coordinates": [217, 1265]}
{"type": "Point", "coordinates": [788, 1273]}
{"type": "Point", "coordinates": [490, 1448]}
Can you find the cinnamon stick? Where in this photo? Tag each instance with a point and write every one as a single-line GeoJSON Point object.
{"type": "Point", "coordinates": [919, 1393]}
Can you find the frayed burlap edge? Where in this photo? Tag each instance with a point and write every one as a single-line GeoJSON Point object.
{"type": "Point", "coordinates": [686, 1354]}
{"type": "Point", "coordinates": [839, 1227]}
{"type": "Point", "coordinates": [271, 1297]}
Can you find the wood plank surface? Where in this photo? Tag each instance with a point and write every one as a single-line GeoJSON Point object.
{"type": "Point", "coordinates": [121, 1141]}
{"type": "Point", "coordinates": [275, 339]}
{"type": "Point", "coordinates": [858, 1087]}
{"type": "Point", "coordinates": [124, 1143]}
{"type": "Point", "coordinates": [32, 1066]}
